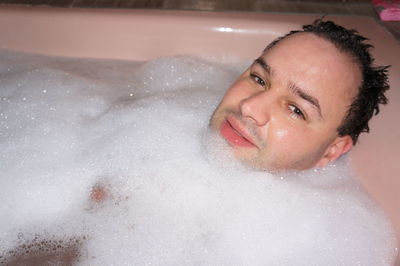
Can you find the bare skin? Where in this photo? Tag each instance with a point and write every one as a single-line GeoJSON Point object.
{"type": "Point", "coordinates": [284, 110]}
{"type": "Point", "coordinates": [44, 252]}
{"type": "Point", "coordinates": [98, 194]}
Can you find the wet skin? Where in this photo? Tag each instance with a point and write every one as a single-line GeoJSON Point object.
{"type": "Point", "coordinates": [284, 110]}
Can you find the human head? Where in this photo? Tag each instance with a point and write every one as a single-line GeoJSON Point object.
{"type": "Point", "coordinates": [374, 82]}
{"type": "Point", "coordinates": [323, 77]}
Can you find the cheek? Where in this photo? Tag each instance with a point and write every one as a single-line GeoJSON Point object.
{"type": "Point", "coordinates": [287, 136]}
{"type": "Point", "coordinates": [235, 93]}
{"type": "Point", "coordinates": [282, 134]}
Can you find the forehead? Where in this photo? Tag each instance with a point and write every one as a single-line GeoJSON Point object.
{"type": "Point", "coordinates": [317, 66]}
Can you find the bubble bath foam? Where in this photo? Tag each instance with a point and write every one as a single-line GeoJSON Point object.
{"type": "Point", "coordinates": [112, 162]}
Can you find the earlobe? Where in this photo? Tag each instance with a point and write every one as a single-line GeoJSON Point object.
{"type": "Point", "coordinates": [339, 146]}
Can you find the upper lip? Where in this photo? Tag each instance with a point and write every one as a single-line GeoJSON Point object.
{"type": "Point", "coordinates": [236, 125]}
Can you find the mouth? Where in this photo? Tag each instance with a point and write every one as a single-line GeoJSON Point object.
{"type": "Point", "coordinates": [234, 134]}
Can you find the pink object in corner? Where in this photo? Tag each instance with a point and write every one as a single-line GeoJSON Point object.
{"type": "Point", "coordinates": [388, 10]}
{"type": "Point", "coordinates": [390, 14]}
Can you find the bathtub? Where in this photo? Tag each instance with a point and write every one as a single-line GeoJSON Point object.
{"type": "Point", "coordinates": [147, 34]}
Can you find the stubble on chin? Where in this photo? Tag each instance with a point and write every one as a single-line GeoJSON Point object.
{"type": "Point", "coordinates": [258, 159]}
{"type": "Point", "coordinates": [218, 117]}
{"type": "Point", "coordinates": [246, 158]}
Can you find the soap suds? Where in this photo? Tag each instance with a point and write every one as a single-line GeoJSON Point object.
{"type": "Point", "coordinates": [116, 156]}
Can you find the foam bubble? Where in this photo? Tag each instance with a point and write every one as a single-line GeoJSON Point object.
{"type": "Point", "coordinates": [112, 160]}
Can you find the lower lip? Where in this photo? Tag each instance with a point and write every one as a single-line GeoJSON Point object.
{"type": "Point", "coordinates": [233, 137]}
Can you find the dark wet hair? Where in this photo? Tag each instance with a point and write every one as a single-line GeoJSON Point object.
{"type": "Point", "coordinates": [374, 82]}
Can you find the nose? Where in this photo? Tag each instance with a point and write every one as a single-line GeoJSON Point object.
{"type": "Point", "coordinates": [256, 107]}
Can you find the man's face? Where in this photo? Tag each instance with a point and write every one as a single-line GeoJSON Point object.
{"type": "Point", "coordinates": [284, 110]}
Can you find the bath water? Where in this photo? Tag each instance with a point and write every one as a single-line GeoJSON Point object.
{"type": "Point", "coordinates": [116, 156]}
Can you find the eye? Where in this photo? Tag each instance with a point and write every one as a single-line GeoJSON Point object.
{"type": "Point", "coordinates": [294, 110]}
{"type": "Point", "coordinates": [257, 79]}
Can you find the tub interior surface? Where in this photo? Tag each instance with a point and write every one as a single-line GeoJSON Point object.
{"type": "Point", "coordinates": [145, 35]}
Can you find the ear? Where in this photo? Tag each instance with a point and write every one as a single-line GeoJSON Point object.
{"type": "Point", "coordinates": [339, 146]}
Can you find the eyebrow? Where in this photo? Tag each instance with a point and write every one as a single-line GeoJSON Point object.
{"type": "Point", "coordinates": [293, 87]}
{"type": "Point", "coordinates": [264, 65]}
{"type": "Point", "coordinates": [309, 98]}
